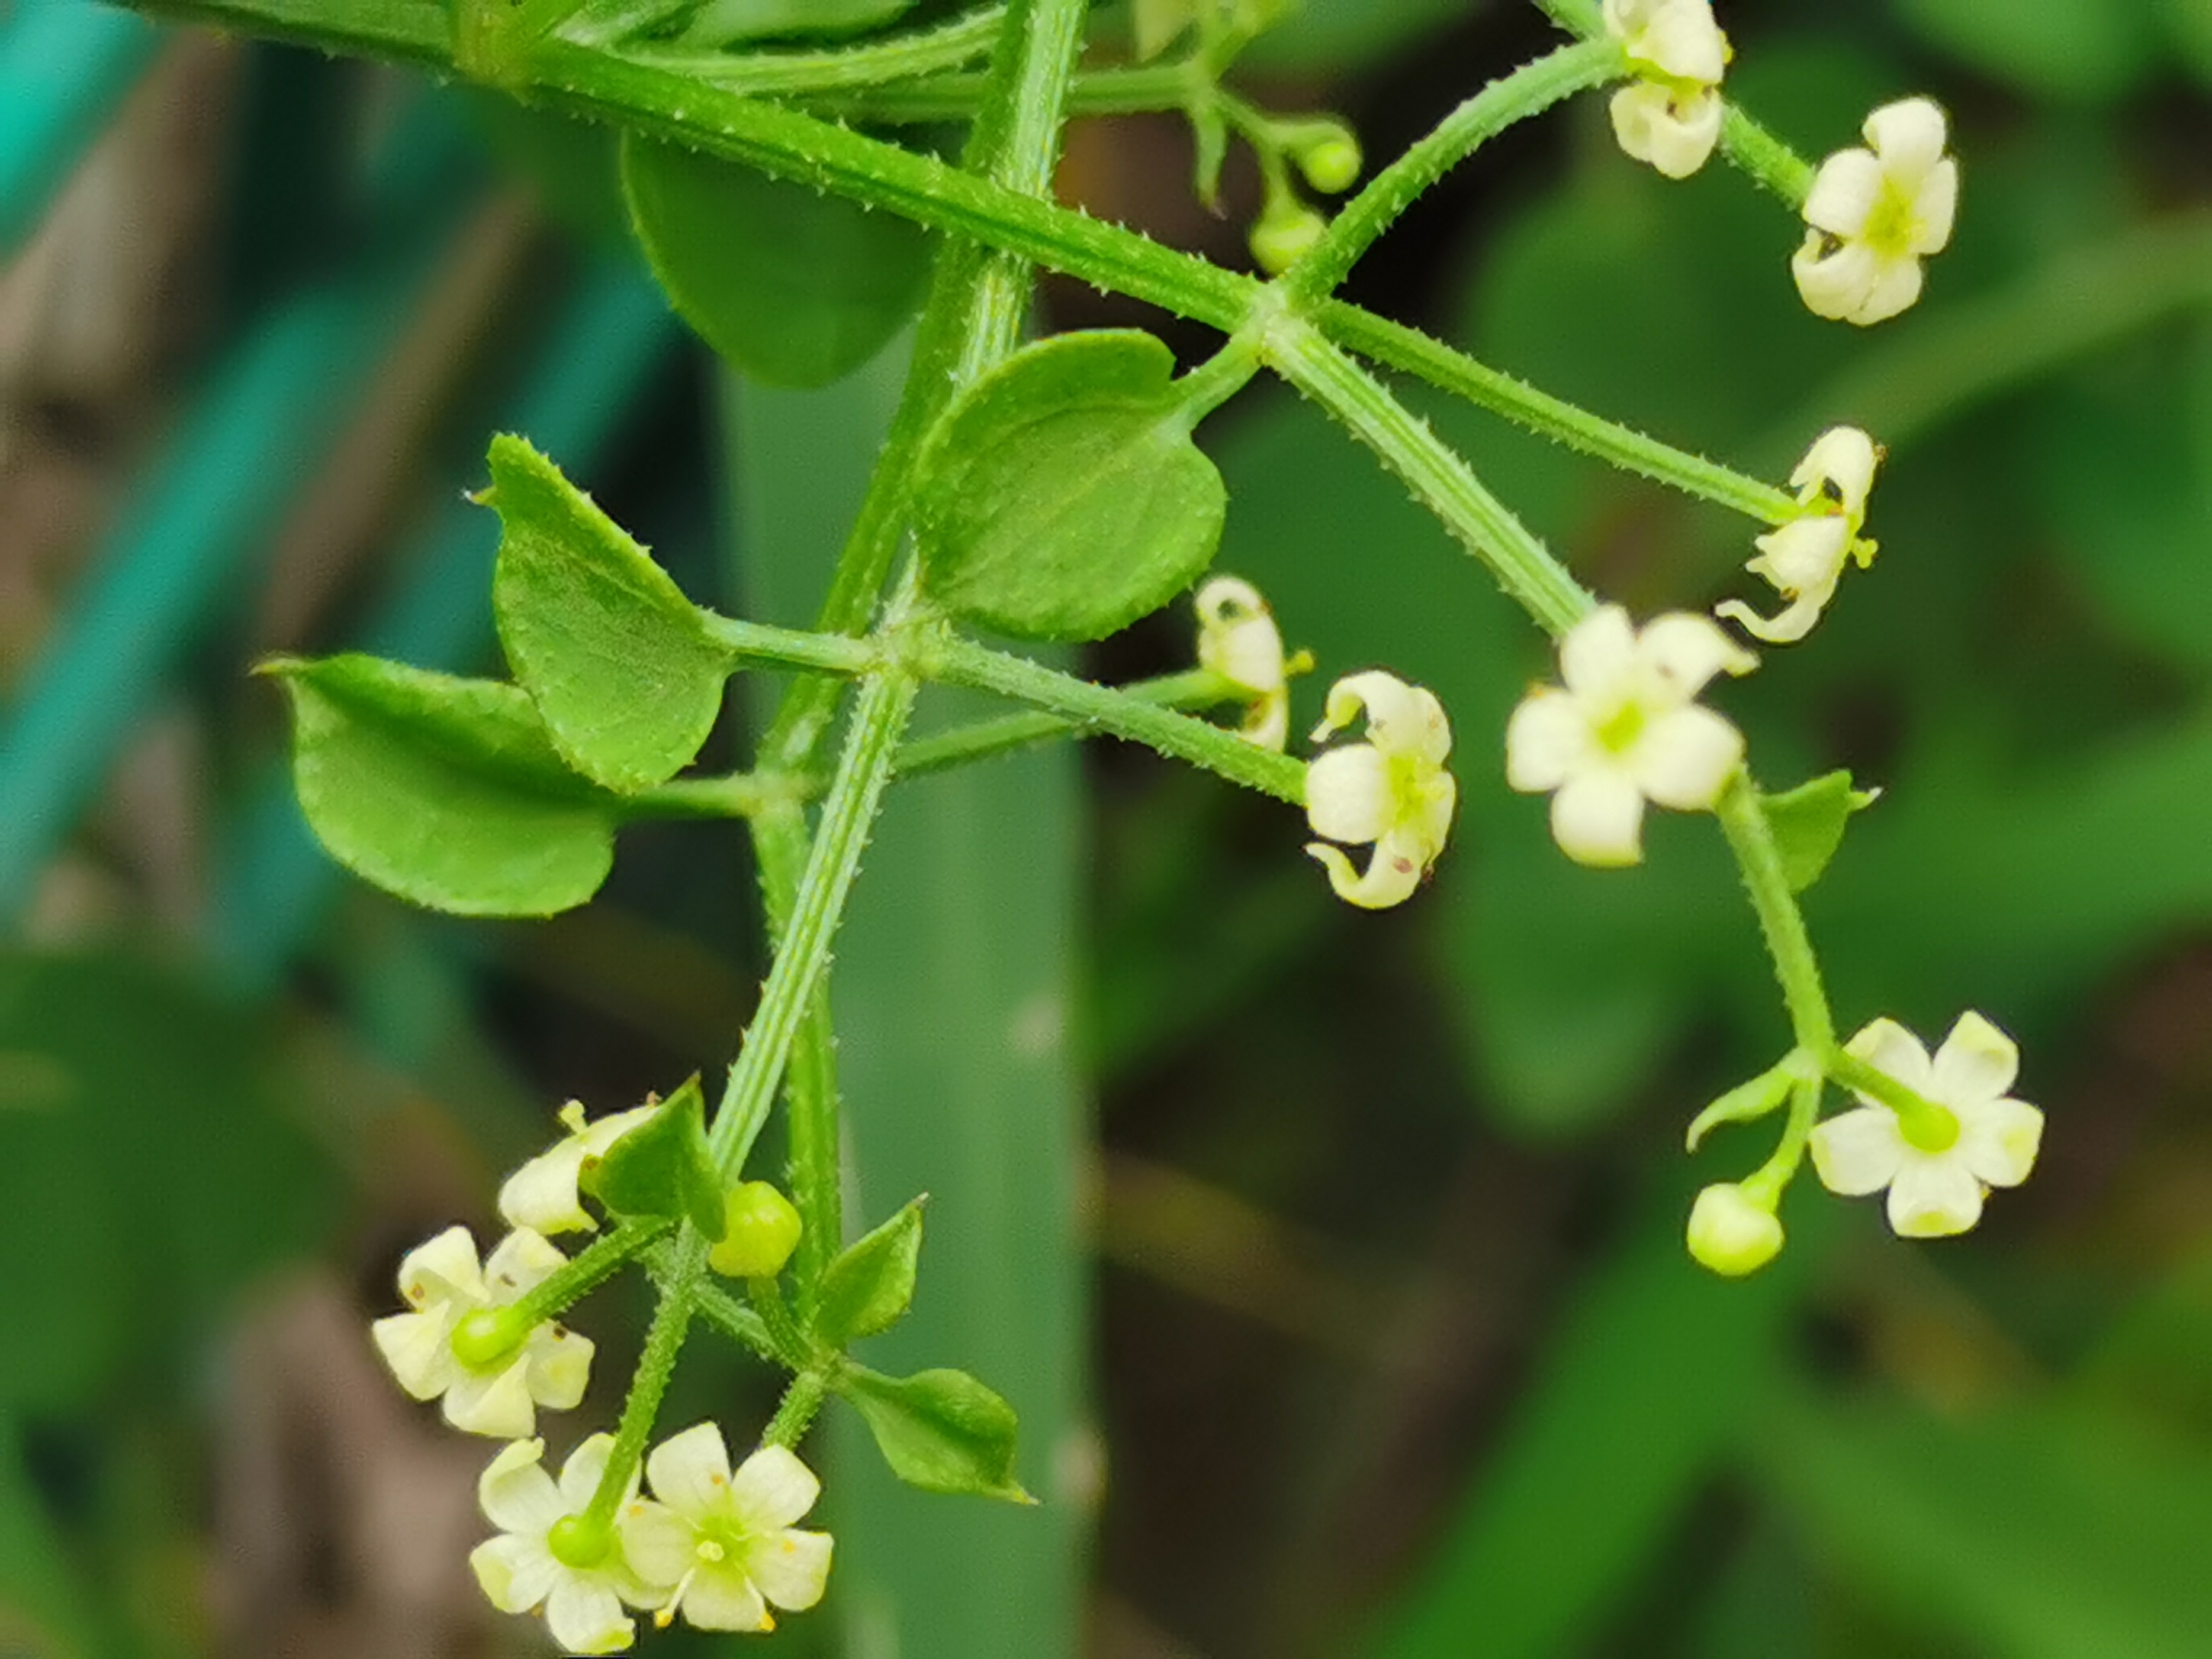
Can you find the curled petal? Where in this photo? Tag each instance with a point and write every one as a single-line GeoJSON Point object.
{"type": "Point", "coordinates": [517, 1495]}
{"type": "Point", "coordinates": [585, 1617]}
{"type": "Point", "coordinates": [1597, 818]}
{"type": "Point", "coordinates": [1237, 637]}
{"type": "Point", "coordinates": [1933, 1198]}
{"type": "Point", "coordinates": [496, 1403]}
{"type": "Point", "coordinates": [1678, 652]}
{"type": "Point", "coordinates": [542, 1195]}
{"type": "Point", "coordinates": [1685, 756]}
{"type": "Point", "coordinates": [558, 1364]}
{"type": "Point", "coordinates": [442, 1270]}
{"type": "Point", "coordinates": [1843, 457]}
{"type": "Point", "coordinates": [1977, 1062]}
{"type": "Point", "coordinates": [1835, 281]}
{"type": "Point", "coordinates": [1381, 696]}
{"type": "Point", "coordinates": [1805, 556]}
{"type": "Point", "coordinates": [1547, 740]}
{"type": "Point", "coordinates": [1909, 136]}
{"type": "Point", "coordinates": [772, 1489]}
{"type": "Point", "coordinates": [690, 1471]}
{"type": "Point", "coordinates": [1786, 627]}
{"type": "Point", "coordinates": [1858, 1152]}
{"type": "Point", "coordinates": [1999, 1141]}
{"type": "Point", "coordinates": [1673, 131]}
{"type": "Point", "coordinates": [1267, 723]}
{"type": "Point", "coordinates": [1844, 192]}
{"type": "Point", "coordinates": [1598, 656]}
{"type": "Point", "coordinates": [1890, 1048]}
{"type": "Point", "coordinates": [1348, 794]}
{"type": "Point", "coordinates": [1385, 882]}
{"type": "Point", "coordinates": [792, 1568]}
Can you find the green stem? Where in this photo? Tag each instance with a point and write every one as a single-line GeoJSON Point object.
{"type": "Point", "coordinates": [1528, 90]}
{"type": "Point", "coordinates": [589, 1269]}
{"type": "Point", "coordinates": [755, 795]}
{"type": "Point", "coordinates": [1146, 90]}
{"type": "Point", "coordinates": [901, 57]}
{"type": "Point", "coordinates": [1197, 687]}
{"type": "Point", "coordinates": [663, 1342]}
{"type": "Point", "coordinates": [1091, 707]}
{"type": "Point", "coordinates": [1751, 838]}
{"type": "Point", "coordinates": [717, 1308]}
{"type": "Point", "coordinates": [825, 653]}
{"type": "Point", "coordinates": [801, 1401]}
{"type": "Point", "coordinates": [1438, 477]}
{"type": "Point", "coordinates": [1767, 1184]}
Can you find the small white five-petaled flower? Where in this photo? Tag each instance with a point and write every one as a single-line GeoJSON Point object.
{"type": "Point", "coordinates": [499, 1393]}
{"type": "Point", "coordinates": [1804, 559]}
{"type": "Point", "coordinates": [1936, 1183]}
{"type": "Point", "coordinates": [1669, 115]}
{"type": "Point", "coordinates": [523, 1568]}
{"type": "Point", "coordinates": [1625, 729]}
{"type": "Point", "coordinates": [1875, 214]}
{"type": "Point", "coordinates": [1237, 639]}
{"type": "Point", "coordinates": [725, 1541]}
{"type": "Point", "coordinates": [542, 1195]}
{"type": "Point", "coordinates": [1391, 790]}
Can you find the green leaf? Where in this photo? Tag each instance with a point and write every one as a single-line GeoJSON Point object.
{"type": "Point", "coordinates": [725, 22]}
{"type": "Point", "coordinates": [1809, 823]}
{"type": "Point", "coordinates": [795, 288]}
{"type": "Point", "coordinates": [1063, 498]}
{"type": "Point", "coordinates": [446, 792]}
{"type": "Point", "coordinates": [619, 663]}
{"type": "Point", "coordinates": [662, 1167]}
{"type": "Point", "coordinates": [871, 1283]}
{"type": "Point", "coordinates": [941, 1431]}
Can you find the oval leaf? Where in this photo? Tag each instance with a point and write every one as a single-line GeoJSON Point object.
{"type": "Point", "coordinates": [446, 792]}
{"type": "Point", "coordinates": [871, 1283]}
{"type": "Point", "coordinates": [1063, 497]}
{"type": "Point", "coordinates": [620, 664]}
{"type": "Point", "coordinates": [663, 1168]}
{"type": "Point", "coordinates": [795, 288]}
{"type": "Point", "coordinates": [1809, 823]}
{"type": "Point", "coordinates": [940, 1431]}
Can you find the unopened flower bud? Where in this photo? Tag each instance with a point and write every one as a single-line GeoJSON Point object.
{"type": "Point", "coordinates": [1285, 235]}
{"type": "Point", "coordinates": [1328, 156]}
{"type": "Point", "coordinates": [1731, 1232]}
{"type": "Point", "coordinates": [760, 1230]}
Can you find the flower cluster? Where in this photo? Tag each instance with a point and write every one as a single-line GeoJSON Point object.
{"type": "Point", "coordinates": [718, 1546]}
{"type": "Point", "coordinates": [1670, 114]}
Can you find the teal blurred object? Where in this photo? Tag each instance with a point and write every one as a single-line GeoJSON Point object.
{"type": "Point", "coordinates": [65, 65]}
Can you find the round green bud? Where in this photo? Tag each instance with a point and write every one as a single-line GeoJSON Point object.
{"type": "Point", "coordinates": [760, 1230]}
{"type": "Point", "coordinates": [1285, 234]}
{"type": "Point", "coordinates": [1330, 158]}
{"type": "Point", "coordinates": [579, 1541]}
{"type": "Point", "coordinates": [1731, 1232]}
{"type": "Point", "coordinates": [485, 1338]}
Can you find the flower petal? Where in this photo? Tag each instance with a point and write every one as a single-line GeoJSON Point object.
{"type": "Point", "coordinates": [496, 1403]}
{"type": "Point", "coordinates": [1844, 193]}
{"type": "Point", "coordinates": [1685, 756]}
{"type": "Point", "coordinates": [1786, 627]}
{"type": "Point", "coordinates": [1674, 133]}
{"type": "Point", "coordinates": [1858, 1152]}
{"type": "Point", "coordinates": [1678, 652]}
{"type": "Point", "coordinates": [791, 1567]}
{"type": "Point", "coordinates": [1889, 1048]}
{"type": "Point", "coordinates": [658, 1543]}
{"type": "Point", "coordinates": [542, 1195]}
{"type": "Point", "coordinates": [1999, 1141]}
{"type": "Point", "coordinates": [1934, 1197]}
{"type": "Point", "coordinates": [1909, 136]}
{"type": "Point", "coordinates": [1843, 457]}
{"type": "Point", "coordinates": [522, 1261]}
{"type": "Point", "coordinates": [514, 1573]}
{"type": "Point", "coordinates": [1835, 282]}
{"type": "Point", "coordinates": [1348, 794]}
{"type": "Point", "coordinates": [724, 1599]}
{"type": "Point", "coordinates": [1977, 1062]}
{"type": "Point", "coordinates": [417, 1347]}
{"type": "Point", "coordinates": [1237, 637]}
{"type": "Point", "coordinates": [1896, 288]}
{"type": "Point", "coordinates": [580, 1475]}
{"type": "Point", "coordinates": [772, 1488]}
{"type": "Point", "coordinates": [1386, 699]}
{"type": "Point", "coordinates": [559, 1364]}
{"type": "Point", "coordinates": [1547, 740]}
{"type": "Point", "coordinates": [1598, 654]}
{"type": "Point", "coordinates": [1385, 882]}
{"type": "Point", "coordinates": [517, 1495]}
{"type": "Point", "coordinates": [442, 1270]}
{"type": "Point", "coordinates": [1806, 555]}
{"type": "Point", "coordinates": [690, 1472]}
{"type": "Point", "coordinates": [1938, 208]}
{"type": "Point", "coordinates": [585, 1616]}
{"type": "Point", "coordinates": [1597, 818]}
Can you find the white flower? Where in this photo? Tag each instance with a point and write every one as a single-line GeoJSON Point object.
{"type": "Point", "coordinates": [528, 1563]}
{"type": "Point", "coordinates": [1625, 730]}
{"type": "Point", "coordinates": [1935, 1190]}
{"type": "Point", "coordinates": [498, 1395]}
{"type": "Point", "coordinates": [1391, 790]}
{"type": "Point", "coordinates": [1670, 115]}
{"type": "Point", "coordinates": [1876, 213]}
{"type": "Point", "coordinates": [1804, 558]}
{"type": "Point", "coordinates": [725, 1541]}
{"type": "Point", "coordinates": [1237, 639]}
{"type": "Point", "coordinates": [542, 1195]}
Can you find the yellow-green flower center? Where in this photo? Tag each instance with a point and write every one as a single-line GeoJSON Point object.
{"type": "Point", "coordinates": [1933, 1129]}
{"type": "Point", "coordinates": [1618, 732]}
{"type": "Point", "coordinates": [1893, 224]}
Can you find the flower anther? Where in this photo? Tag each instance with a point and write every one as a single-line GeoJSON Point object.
{"type": "Point", "coordinates": [441, 1347]}
{"type": "Point", "coordinates": [724, 1542]}
{"type": "Point", "coordinates": [1391, 790]}
{"type": "Point", "coordinates": [551, 1555]}
{"type": "Point", "coordinates": [542, 1195]}
{"type": "Point", "coordinates": [1669, 116]}
{"type": "Point", "coordinates": [1237, 639]}
{"type": "Point", "coordinates": [1875, 214]}
{"type": "Point", "coordinates": [1626, 728]}
{"type": "Point", "coordinates": [1937, 1180]}
{"type": "Point", "coordinates": [1804, 559]}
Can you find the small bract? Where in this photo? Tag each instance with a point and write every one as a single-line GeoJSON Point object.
{"type": "Point", "coordinates": [1875, 214]}
{"type": "Point", "coordinates": [1391, 790]}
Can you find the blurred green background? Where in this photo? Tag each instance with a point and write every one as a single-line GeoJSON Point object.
{"type": "Point", "coordinates": [1333, 1259]}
